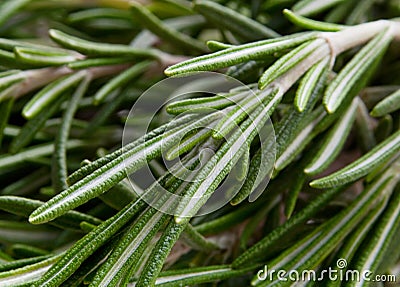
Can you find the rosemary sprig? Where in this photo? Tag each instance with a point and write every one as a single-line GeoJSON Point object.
{"type": "Point", "coordinates": [310, 150]}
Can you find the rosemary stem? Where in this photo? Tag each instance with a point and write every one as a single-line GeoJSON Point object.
{"type": "Point", "coordinates": [354, 36]}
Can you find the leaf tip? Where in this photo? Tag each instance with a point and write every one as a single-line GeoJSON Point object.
{"type": "Point", "coordinates": [96, 101]}
{"type": "Point", "coordinates": [53, 33]}
{"type": "Point", "coordinates": [40, 215]}
{"type": "Point", "coordinates": [330, 106]}
{"type": "Point", "coordinates": [34, 218]}
{"type": "Point", "coordinates": [289, 212]}
{"type": "Point", "coordinates": [300, 108]}
{"type": "Point", "coordinates": [309, 170]}
{"type": "Point", "coordinates": [234, 202]}
{"type": "Point", "coordinates": [287, 12]}
{"type": "Point", "coordinates": [27, 113]}
{"type": "Point", "coordinates": [169, 71]}
{"type": "Point", "coordinates": [181, 219]}
{"type": "Point", "coordinates": [318, 183]}
{"type": "Point", "coordinates": [374, 113]}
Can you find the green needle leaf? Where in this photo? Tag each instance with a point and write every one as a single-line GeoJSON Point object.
{"type": "Point", "coordinates": [8, 59]}
{"type": "Point", "coordinates": [333, 142]}
{"type": "Point", "coordinates": [249, 69]}
{"type": "Point", "coordinates": [15, 264]}
{"type": "Point", "coordinates": [357, 14]}
{"type": "Point", "coordinates": [388, 105]}
{"type": "Point", "coordinates": [298, 179]}
{"type": "Point", "coordinates": [28, 184]}
{"type": "Point", "coordinates": [205, 104]}
{"type": "Point", "coordinates": [11, 44]}
{"type": "Point", "coordinates": [215, 46]}
{"type": "Point", "coordinates": [156, 26]}
{"type": "Point", "coordinates": [120, 195]}
{"type": "Point", "coordinates": [6, 161]}
{"type": "Point", "coordinates": [5, 111]}
{"type": "Point", "coordinates": [198, 275]}
{"type": "Point", "coordinates": [311, 7]}
{"type": "Point", "coordinates": [242, 166]}
{"type": "Point", "coordinates": [309, 83]}
{"type": "Point", "coordinates": [98, 49]}
{"type": "Point", "coordinates": [120, 81]}
{"type": "Point", "coordinates": [95, 13]}
{"type": "Point", "coordinates": [85, 271]}
{"type": "Point", "coordinates": [48, 94]}
{"type": "Point", "coordinates": [364, 165]}
{"type": "Point", "coordinates": [384, 128]}
{"type": "Point", "coordinates": [196, 240]}
{"type": "Point", "coordinates": [43, 57]}
{"type": "Point", "coordinates": [24, 251]}
{"type": "Point", "coordinates": [59, 160]}
{"type": "Point", "coordinates": [252, 226]}
{"type": "Point", "coordinates": [27, 275]}
{"type": "Point", "coordinates": [24, 207]}
{"type": "Point", "coordinates": [11, 77]}
{"type": "Point", "coordinates": [239, 54]}
{"type": "Point", "coordinates": [88, 169]}
{"type": "Point", "coordinates": [295, 121]}
{"type": "Point", "coordinates": [9, 8]}
{"type": "Point", "coordinates": [95, 184]}
{"type": "Point", "coordinates": [301, 138]}
{"type": "Point", "coordinates": [33, 126]}
{"type": "Point", "coordinates": [97, 62]}
{"type": "Point", "coordinates": [260, 168]}
{"type": "Point", "coordinates": [22, 232]}
{"type": "Point", "coordinates": [189, 142]}
{"type": "Point", "coordinates": [105, 112]}
{"type": "Point", "coordinates": [355, 70]}
{"type": "Point", "coordinates": [289, 61]}
{"type": "Point", "coordinates": [310, 24]}
{"type": "Point", "coordinates": [225, 18]}
{"type": "Point", "coordinates": [82, 249]}
{"type": "Point", "coordinates": [364, 125]}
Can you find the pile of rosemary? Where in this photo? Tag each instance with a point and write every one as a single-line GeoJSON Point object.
{"type": "Point", "coordinates": [323, 73]}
